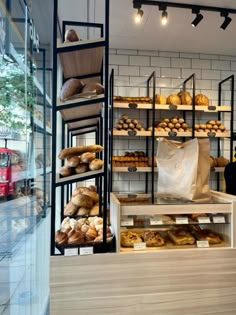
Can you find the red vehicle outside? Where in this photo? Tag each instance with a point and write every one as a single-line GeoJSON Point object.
{"type": "Point", "coordinates": [10, 171]}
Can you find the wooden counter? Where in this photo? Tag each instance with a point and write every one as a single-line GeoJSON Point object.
{"type": "Point", "coordinates": [174, 282]}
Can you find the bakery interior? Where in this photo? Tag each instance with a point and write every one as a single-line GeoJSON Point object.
{"type": "Point", "coordinates": [117, 157]}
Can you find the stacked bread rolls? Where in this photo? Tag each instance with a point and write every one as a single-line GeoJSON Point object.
{"type": "Point", "coordinates": [84, 230]}
{"type": "Point", "coordinates": [176, 124]}
{"type": "Point", "coordinates": [125, 123]}
{"type": "Point", "coordinates": [84, 201]}
{"type": "Point", "coordinates": [80, 160]}
{"type": "Point", "coordinates": [210, 126]}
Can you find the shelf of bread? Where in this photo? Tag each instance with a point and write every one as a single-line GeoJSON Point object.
{"type": "Point", "coordinates": [81, 58]}
{"type": "Point", "coordinates": [78, 177]}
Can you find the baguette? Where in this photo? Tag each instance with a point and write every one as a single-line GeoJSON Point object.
{"type": "Point", "coordinates": [65, 153]}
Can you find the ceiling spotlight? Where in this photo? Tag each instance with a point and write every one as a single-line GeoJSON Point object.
{"type": "Point", "coordinates": [227, 20]}
{"type": "Point", "coordinates": [197, 19]}
{"type": "Point", "coordinates": [138, 16]}
{"type": "Point", "coordinates": [164, 17]}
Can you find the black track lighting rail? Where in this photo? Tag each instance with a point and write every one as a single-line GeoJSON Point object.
{"type": "Point", "coordinates": [138, 3]}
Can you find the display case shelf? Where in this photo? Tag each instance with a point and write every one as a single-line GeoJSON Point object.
{"type": "Point", "coordinates": [78, 177]}
{"type": "Point", "coordinates": [82, 58]}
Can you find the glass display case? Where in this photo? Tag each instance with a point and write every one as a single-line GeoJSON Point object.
{"type": "Point", "coordinates": [172, 224]}
{"type": "Point", "coordinates": [25, 158]}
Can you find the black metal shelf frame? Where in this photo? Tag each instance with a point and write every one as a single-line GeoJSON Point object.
{"type": "Point", "coordinates": [100, 128]}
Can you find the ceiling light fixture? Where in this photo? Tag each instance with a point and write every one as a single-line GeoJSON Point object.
{"type": "Point", "coordinates": [197, 19]}
{"type": "Point", "coordinates": [164, 18]}
{"type": "Point", "coordinates": [138, 16]}
{"type": "Point", "coordinates": [227, 20]}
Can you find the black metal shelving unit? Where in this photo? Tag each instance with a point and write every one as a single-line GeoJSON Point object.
{"type": "Point", "coordinates": [89, 59]}
{"type": "Point", "coordinates": [189, 83]}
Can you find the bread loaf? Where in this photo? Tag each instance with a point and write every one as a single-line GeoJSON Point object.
{"type": "Point", "coordinates": [74, 151]}
{"type": "Point", "coordinates": [81, 168]}
{"type": "Point", "coordinates": [93, 87]}
{"type": "Point", "coordinates": [73, 161]}
{"type": "Point", "coordinates": [95, 165]}
{"type": "Point", "coordinates": [201, 99]}
{"type": "Point", "coordinates": [185, 97]}
{"type": "Point", "coordinates": [70, 209]}
{"type": "Point", "coordinates": [66, 171]}
{"type": "Point", "coordinates": [70, 88]}
{"type": "Point", "coordinates": [71, 36]}
{"type": "Point", "coordinates": [81, 200]}
{"type": "Point", "coordinates": [87, 157]}
{"type": "Point", "coordinates": [173, 99]}
{"type": "Point", "coordinates": [160, 99]}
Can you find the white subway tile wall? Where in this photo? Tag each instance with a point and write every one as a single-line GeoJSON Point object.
{"type": "Point", "coordinates": [131, 69]}
{"type": "Point", "coordinates": [171, 69]}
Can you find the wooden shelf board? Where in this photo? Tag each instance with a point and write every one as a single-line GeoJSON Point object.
{"type": "Point", "coordinates": [81, 111]}
{"type": "Point", "coordinates": [81, 62]}
{"type": "Point", "coordinates": [77, 177]}
{"type": "Point", "coordinates": [222, 108]}
{"type": "Point", "coordinates": [126, 105]}
{"type": "Point", "coordinates": [225, 134]}
{"type": "Point", "coordinates": [83, 123]}
{"type": "Point", "coordinates": [139, 169]}
{"type": "Point", "coordinates": [125, 133]}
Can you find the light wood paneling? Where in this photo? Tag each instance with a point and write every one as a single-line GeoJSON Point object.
{"type": "Point", "coordinates": [178, 282]}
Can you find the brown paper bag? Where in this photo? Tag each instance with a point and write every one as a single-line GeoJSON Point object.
{"type": "Point", "coordinates": [183, 169]}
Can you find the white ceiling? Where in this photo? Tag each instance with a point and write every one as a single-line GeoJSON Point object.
{"type": "Point", "coordinates": [177, 35]}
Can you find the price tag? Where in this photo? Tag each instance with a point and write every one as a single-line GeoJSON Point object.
{"type": "Point", "coordinates": [140, 246]}
{"type": "Point", "coordinates": [133, 105]}
{"type": "Point", "coordinates": [172, 133]}
{"type": "Point", "coordinates": [86, 250]}
{"type": "Point", "coordinates": [203, 220]}
{"type": "Point", "coordinates": [211, 134]}
{"type": "Point", "coordinates": [181, 220]}
{"type": "Point", "coordinates": [219, 219]}
{"type": "Point", "coordinates": [156, 222]}
{"type": "Point", "coordinates": [132, 133]}
{"type": "Point", "coordinates": [132, 169]}
{"type": "Point", "coordinates": [127, 222]}
{"type": "Point", "coordinates": [202, 244]}
{"type": "Point", "coordinates": [173, 107]}
{"type": "Point", "coordinates": [211, 107]}
{"type": "Point", "coordinates": [71, 252]}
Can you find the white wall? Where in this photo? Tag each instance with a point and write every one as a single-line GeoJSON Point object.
{"type": "Point", "coordinates": [132, 67]}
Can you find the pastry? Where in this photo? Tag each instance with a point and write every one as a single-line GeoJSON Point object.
{"type": "Point", "coordinates": [206, 235]}
{"type": "Point", "coordinates": [87, 157]}
{"type": "Point", "coordinates": [81, 200]}
{"type": "Point", "coordinates": [91, 234]}
{"type": "Point", "coordinates": [86, 191]}
{"type": "Point", "coordinates": [73, 161]}
{"type": "Point", "coordinates": [75, 151]}
{"type": "Point", "coordinates": [70, 88]}
{"type": "Point", "coordinates": [65, 225]}
{"type": "Point", "coordinates": [128, 239]}
{"type": "Point", "coordinates": [81, 168]}
{"type": "Point", "coordinates": [70, 209]}
{"type": "Point", "coordinates": [173, 99]}
{"type": "Point", "coordinates": [94, 210]}
{"type": "Point", "coordinates": [83, 211]}
{"type": "Point", "coordinates": [75, 237]}
{"type": "Point", "coordinates": [181, 237]}
{"type": "Point", "coordinates": [201, 99]}
{"type": "Point", "coordinates": [153, 239]}
{"type": "Point", "coordinates": [85, 228]}
{"type": "Point", "coordinates": [61, 238]}
{"type": "Point", "coordinates": [95, 165]}
{"type": "Point", "coordinates": [71, 36]}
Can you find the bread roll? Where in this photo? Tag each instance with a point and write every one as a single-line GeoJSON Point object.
{"type": "Point", "coordinates": [83, 211]}
{"type": "Point", "coordinates": [61, 237]}
{"type": "Point", "coordinates": [71, 36]}
{"type": "Point", "coordinates": [86, 191]}
{"type": "Point", "coordinates": [74, 151]}
{"type": "Point", "coordinates": [75, 237]}
{"type": "Point", "coordinates": [89, 87]}
{"type": "Point", "coordinates": [73, 161]}
{"type": "Point", "coordinates": [70, 88]}
{"type": "Point", "coordinates": [87, 157]}
{"type": "Point", "coordinates": [70, 209]}
{"type": "Point", "coordinates": [174, 120]}
{"type": "Point", "coordinates": [91, 234]}
{"type": "Point", "coordinates": [81, 200]}
{"type": "Point", "coordinates": [95, 165]}
{"type": "Point", "coordinates": [66, 171]}
{"type": "Point", "coordinates": [181, 120]}
{"type": "Point", "coordinates": [81, 168]}
{"type": "Point", "coordinates": [94, 210]}
{"type": "Point", "coordinates": [211, 122]}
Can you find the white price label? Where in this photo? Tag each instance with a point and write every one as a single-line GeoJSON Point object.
{"type": "Point", "coordinates": [181, 220]}
{"type": "Point", "coordinates": [86, 251]}
{"type": "Point", "coordinates": [219, 219]}
{"type": "Point", "coordinates": [140, 246]}
{"type": "Point", "coordinates": [203, 220]}
{"type": "Point", "coordinates": [202, 244]}
{"type": "Point", "coordinates": [156, 222]}
{"type": "Point", "coordinates": [127, 222]}
{"type": "Point", "coordinates": [71, 252]}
